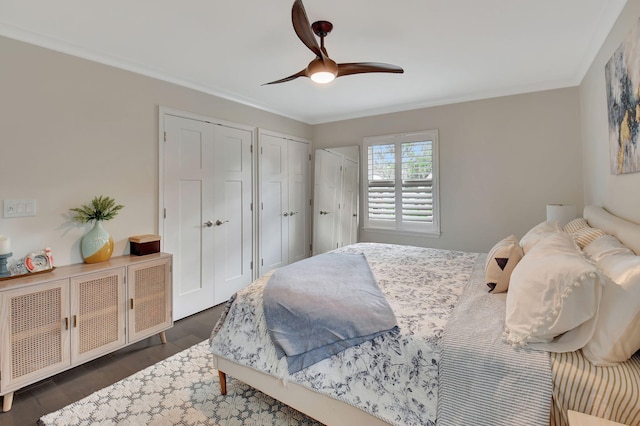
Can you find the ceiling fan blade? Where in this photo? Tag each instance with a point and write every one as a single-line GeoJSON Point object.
{"type": "Point", "coordinates": [302, 73]}
{"type": "Point", "coordinates": [364, 67]}
{"type": "Point", "coordinates": [302, 28]}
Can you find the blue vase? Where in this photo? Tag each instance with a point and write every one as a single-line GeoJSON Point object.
{"type": "Point", "coordinates": [97, 244]}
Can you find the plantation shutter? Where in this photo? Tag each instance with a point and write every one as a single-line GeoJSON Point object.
{"type": "Point", "coordinates": [417, 190]}
{"type": "Point", "coordinates": [382, 192]}
{"type": "Point", "coordinates": [400, 179]}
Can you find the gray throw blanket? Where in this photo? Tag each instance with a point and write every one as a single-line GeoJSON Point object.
{"type": "Point", "coordinates": [322, 305]}
{"type": "Point", "coordinates": [483, 380]}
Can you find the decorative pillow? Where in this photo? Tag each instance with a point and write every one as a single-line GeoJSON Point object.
{"type": "Point", "coordinates": [537, 233]}
{"type": "Point", "coordinates": [501, 260]}
{"type": "Point", "coordinates": [553, 297]}
{"type": "Point", "coordinates": [617, 334]}
{"type": "Point", "coordinates": [586, 235]}
{"type": "Point", "coordinates": [575, 225]}
{"type": "Point", "coordinates": [604, 246]}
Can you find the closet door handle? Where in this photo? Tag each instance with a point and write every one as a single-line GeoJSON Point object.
{"type": "Point", "coordinates": [324, 212]}
{"type": "Point", "coordinates": [208, 224]}
{"type": "Point", "coordinates": [285, 214]}
{"type": "Point", "coordinates": [220, 222]}
{"type": "Point", "coordinates": [292, 213]}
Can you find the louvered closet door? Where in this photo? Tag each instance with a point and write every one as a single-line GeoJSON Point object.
{"type": "Point", "coordinates": [149, 304]}
{"type": "Point", "coordinates": [97, 319]}
{"type": "Point", "coordinates": [34, 341]}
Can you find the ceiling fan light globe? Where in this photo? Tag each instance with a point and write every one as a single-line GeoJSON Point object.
{"type": "Point", "coordinates": [322, 72]}
{"type": "Point", "coordinates": [322, 77]}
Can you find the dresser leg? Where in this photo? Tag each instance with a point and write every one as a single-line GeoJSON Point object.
{"type": "Point", "coordinates": [163, 337]}
{"type": "Point", "coordinates": [7, 402]}
{"type": "Point", "coordinates": [223, 382]}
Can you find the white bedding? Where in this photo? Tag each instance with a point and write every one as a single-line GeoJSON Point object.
{"type": "Point", "coordinates": [393, 377]}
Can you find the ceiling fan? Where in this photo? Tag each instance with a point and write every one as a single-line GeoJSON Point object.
{"type": "Point", "coordinates": [324, 69]}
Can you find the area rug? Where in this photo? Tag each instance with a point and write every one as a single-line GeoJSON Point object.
{"type": "Point", "coordinates": [181, 390]}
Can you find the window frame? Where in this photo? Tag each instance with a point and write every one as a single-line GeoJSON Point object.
{"type": "Point", "coordinates": [399, 226]}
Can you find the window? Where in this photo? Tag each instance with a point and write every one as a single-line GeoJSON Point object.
{"type": "Point", "coordinates": [402, 182]}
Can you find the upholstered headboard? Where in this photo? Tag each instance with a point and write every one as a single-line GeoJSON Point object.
{"type": "Point", "coordinates": [627, 232]}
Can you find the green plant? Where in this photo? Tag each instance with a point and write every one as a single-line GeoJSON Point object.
{"type": "Point", "coordinates": [101, 208]}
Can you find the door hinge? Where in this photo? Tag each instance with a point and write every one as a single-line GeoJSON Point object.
{"type": "Point", "coordinates": [261, 151]}
{"type": "Point", "coordinates": [261, 206]}
{"type": "Point", "coordinates": [251, 207]}
{"type": "Point", "coordinates": [251, 148]}
{"type": "Point", "coordinates": [164, 214]}
{"type": "Point", "coordinates": [310, 201]}
{"type": "Point", "coordinates": [251, 265]}
{"type": "Point", "coordinates": [261, 262]}
{"type": "Point", "coordinates": [309, 157]}
{"type": "Point", "coordinates": [165, 136]}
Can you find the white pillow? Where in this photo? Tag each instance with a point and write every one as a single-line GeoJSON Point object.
{"type": "Point", "coordinates": [553, 297]}
{"type": "Point", "coordinates": [537, 233]}
{"type": "Point", "coordinates": [604, 246]}
{"type": "Point", "coordinates": [501, 260]}
{"type": "Point", "coordinates": [617, 334]}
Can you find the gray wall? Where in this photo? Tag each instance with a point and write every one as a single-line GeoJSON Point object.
{"type": "Point", "coordinates": [501, 161]}
{"type": "Point", "coordinates": [73, 129]}
{"type": "Point", "coordinates": [618, 193]}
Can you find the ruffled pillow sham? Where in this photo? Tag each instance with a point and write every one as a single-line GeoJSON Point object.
{"type": "Point", "coordinates": [617, 334]}
{"type": "Point", "coordinates": [553, 297]}
{"type": "Point", "coordinates": [538, 233]}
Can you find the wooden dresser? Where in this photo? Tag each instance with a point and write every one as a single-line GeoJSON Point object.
{"type": "Point", "coordinates": [53, 321]}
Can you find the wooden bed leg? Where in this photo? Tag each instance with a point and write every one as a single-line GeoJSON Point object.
{"type": "Point", "coordinates": [7, 401]}
{"type": "Point", "coordinates": [163, 337]}
{"type": "Point", "coordinates": [223, 382]}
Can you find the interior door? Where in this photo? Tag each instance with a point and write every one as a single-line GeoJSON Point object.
{"type": "Point", "coordinates": [274, 202]}
{"type": "Point", "coordinates": [299, 200]}
{"type": "Point", "coordinates": [232, 216]}
{"type": "Point", "coordinates": [189, 184]}
{"type": "Point", "coordinates": [349, 206]}
{"type": "Point", "coordinates": [208, 225]}
{"type": "Point", "coordinates": [326, 209]}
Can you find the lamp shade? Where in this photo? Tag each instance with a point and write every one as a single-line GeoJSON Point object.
{"type": "Point", "coordinates": [563, 213]}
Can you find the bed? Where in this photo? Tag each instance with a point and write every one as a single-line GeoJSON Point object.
{"type": "Point", "coordinates": [462, 354]}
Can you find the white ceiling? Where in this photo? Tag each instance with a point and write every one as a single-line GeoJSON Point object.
{"type": "Point", "coordinates": [451, 50]}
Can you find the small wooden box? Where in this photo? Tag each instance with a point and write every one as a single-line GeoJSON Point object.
{"type": "Point", "coordinates": [144, 244]}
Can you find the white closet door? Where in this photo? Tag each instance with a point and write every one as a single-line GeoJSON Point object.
{"type": "Point", "coordinates": [327, 193]}
{"type": "Point", "coordinates": [189, 182]}
{"type": "Point", "coordinates": [208, 225]}
{"type": "Point", "coordinates": [274, 190]}
{"type": "Point", "coordinates": [298, 200]}
{"type": "Point", "coordinates": [232, 224]}
{"type": "Point", "coordinates": [349, 207]}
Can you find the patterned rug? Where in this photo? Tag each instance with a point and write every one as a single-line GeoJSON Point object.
{"type": "Point", "coordinates": [181, 390]}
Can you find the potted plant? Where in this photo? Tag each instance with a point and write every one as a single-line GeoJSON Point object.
{"type": "Point", "coordinates": [97, 244]}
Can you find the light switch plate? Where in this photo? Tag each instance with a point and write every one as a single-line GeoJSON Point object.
{"type": "Point", "coordinates": [19, 208]}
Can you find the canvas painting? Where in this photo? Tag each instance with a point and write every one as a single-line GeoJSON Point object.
{"type": "Point", "coordinates": [622, 74]}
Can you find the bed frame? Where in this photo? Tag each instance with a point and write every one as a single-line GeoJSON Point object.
{"type": "Point", "coordinates": [327, 410]}
{"type": "Point", "coordinates": [332, 411]}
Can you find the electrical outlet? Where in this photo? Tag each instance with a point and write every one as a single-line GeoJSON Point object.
{"type": "Point", "coordinates": [19, 208]}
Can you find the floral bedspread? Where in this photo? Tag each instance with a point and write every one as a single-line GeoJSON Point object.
{"type": "Point", "coordinates": [394, 376]}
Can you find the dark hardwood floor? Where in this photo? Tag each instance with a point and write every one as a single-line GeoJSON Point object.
{"type": "Point", "coordinates": [38, 399]}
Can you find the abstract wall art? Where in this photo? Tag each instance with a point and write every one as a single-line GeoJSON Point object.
{"type": "Point", "coordinates": [622, 74]}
